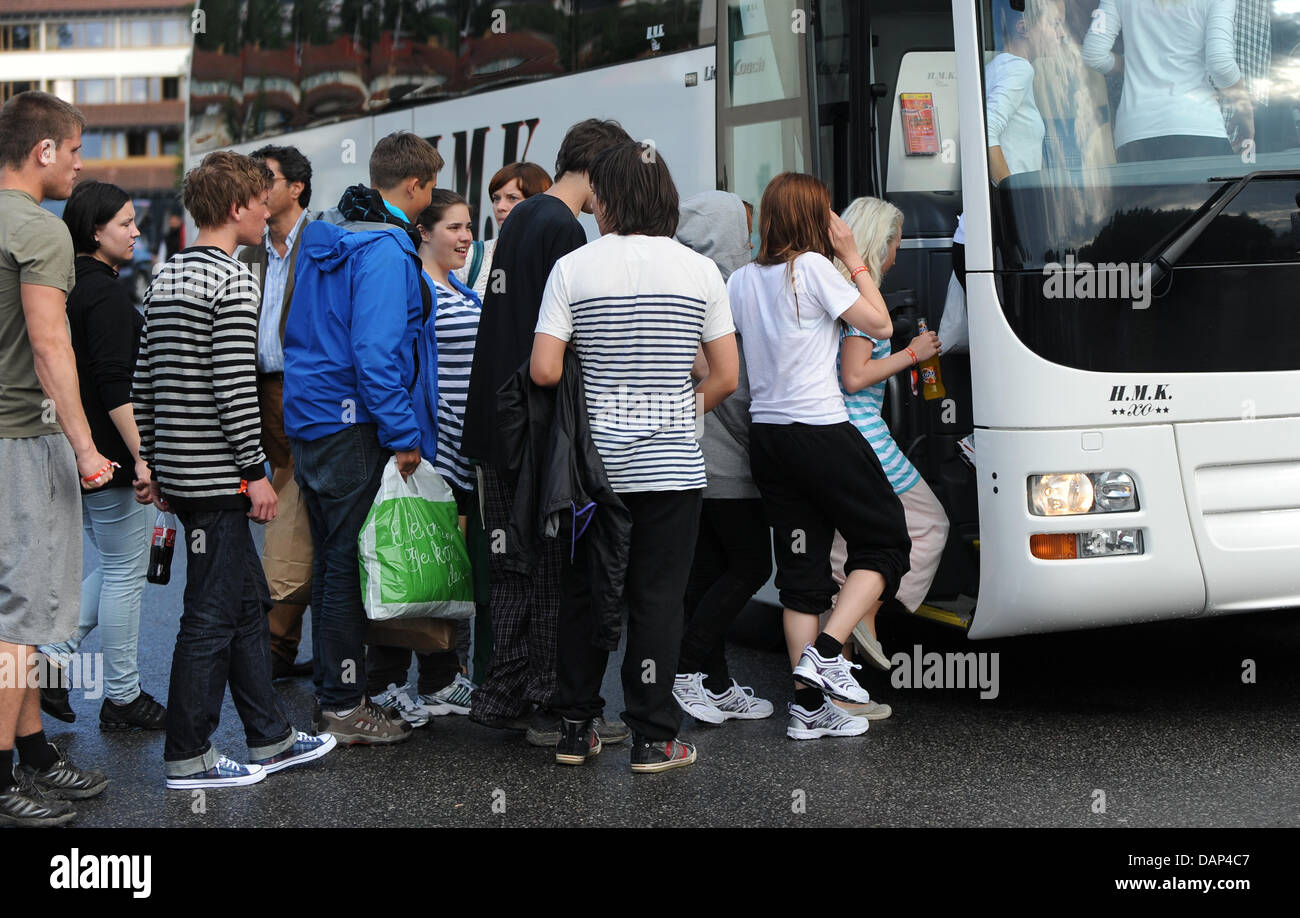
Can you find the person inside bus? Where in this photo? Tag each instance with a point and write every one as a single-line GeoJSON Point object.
{"type": "Point", "coordinates": [446, 231]}
{"type": "Point", "coordinates": [635, 305]}
{"type": "Point", "coordinates": [733, 550]}
{"type": "Point", "coordinates": [1176, 53]}
{"type": "Point", "coordinates": [1015, 126]}
{"type": "Point", "coordinates": [803, 448]}
{"type": "Point", "coordinates": [511, 184]}
{"type": "Point", "coordinates": [865, 364]}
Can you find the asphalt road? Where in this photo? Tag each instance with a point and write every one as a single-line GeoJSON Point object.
{"type": "Point", "coordinates": [1139, 726]}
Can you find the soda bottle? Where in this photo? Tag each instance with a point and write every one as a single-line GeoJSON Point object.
{"type": "Point", "coordinates": [931, 377]}
{"type": "Point", "coordinates": [161, 549]}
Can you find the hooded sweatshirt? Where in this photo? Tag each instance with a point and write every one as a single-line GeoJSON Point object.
{"type": "Point", "coordinates": [713, 223]}
{"type": "Point", "coordinates": [349, 343]}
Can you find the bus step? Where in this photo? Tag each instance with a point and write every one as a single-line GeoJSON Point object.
{"type": "Point", "coordinates": [957, 613]}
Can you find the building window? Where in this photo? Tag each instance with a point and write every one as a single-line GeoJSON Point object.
{"type": "Point", "coordinates": [9, 90]}
{"type": "Point", "coordinates": [171, 141]}
{"type": "Point", "coordinates": [171, 87]}
{"type": "Point", "coordinates": [101, 145]}
{"type": "Point", "coordinates": [149, 33]}
{"type": "Point", "coordinates": [137, 89]}
{"type": "Point", "coordinates": [95, 92]}
{"type": "Point", "coordinates": [90, 33]}
{"type": "Point", "coordinates": [19, 38]}
{"type": "Point", "coordinates": [137, 142]}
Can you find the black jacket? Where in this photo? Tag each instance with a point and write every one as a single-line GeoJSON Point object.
{"type": "Point", "coordinates": [105, 327]}
{"type": "Point", "coordinates": [561, 489]}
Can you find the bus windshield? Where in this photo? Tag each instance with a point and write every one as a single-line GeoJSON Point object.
{"type": "Point", "coordinates": [1110, 123]}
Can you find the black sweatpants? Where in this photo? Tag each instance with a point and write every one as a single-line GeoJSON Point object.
{"type": "Point", "coordinates": [664, 525]}
{"type": "Point", "coordinates": [733, 558]}
{"type": "Point", "coordinates": [816, 479]}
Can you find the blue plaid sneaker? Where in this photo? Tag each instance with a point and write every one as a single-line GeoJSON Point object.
{"type": "Point", "coordinates": [226, 773]}
{"type": "Point", "coordinates": [454, 699]}
{"type": "Point", "coordinates": [306, 748]}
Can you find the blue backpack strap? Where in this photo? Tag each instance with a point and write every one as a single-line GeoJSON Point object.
{"type": "Point", "coordinates": [476, 263]}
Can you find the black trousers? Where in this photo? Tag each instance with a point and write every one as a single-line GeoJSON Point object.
{"type": "Point", "coordinates": [816, 479]}
{"type": "Point", "coordinates": [733, 558]}
{"type": "Point", "coordinates": [664, 525]}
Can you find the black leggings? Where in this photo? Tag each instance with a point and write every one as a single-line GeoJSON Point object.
{"type": "Point", "coordinates": [733, 558]}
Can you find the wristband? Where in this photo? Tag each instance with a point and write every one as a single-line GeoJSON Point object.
{"type": "Point", "coordinates": [101, 473]}
{"type": "Point", "coordinates": [856, 271]}
{"type": "Point", "coordinates": [911, 353]}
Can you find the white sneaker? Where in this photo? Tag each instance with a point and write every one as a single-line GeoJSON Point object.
{"type": "Point", "coordinates": [689, 693]}
{"type": "Point", "coordinates": [396, 701]}
{"type": "Point", "coordinates": [872, 710]}
{"type": "Point", "coordinates": [834, 676]}
{"type": "Point", "coordinates": [827, 720]}
{"type": "Point", "coordinates": [739, 702]}
{"type": "Point", "coordinates": [452, 699]}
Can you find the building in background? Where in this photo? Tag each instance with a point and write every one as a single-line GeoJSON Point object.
{"type": "Point", "coordinates": [124, 64]}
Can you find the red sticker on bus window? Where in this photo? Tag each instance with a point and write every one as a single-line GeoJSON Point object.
{"type": "Point", "coordinates": [920, 128]}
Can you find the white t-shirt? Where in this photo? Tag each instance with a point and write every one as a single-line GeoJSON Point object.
{"type": "Point", "coordinates": [1014, 123]}
{"type": "Point", "coordinates": [1175, 54]}
{"type": "Point", "coordinates": [791, 358]}
{"type": "Point", "coordinates": [636, 309]}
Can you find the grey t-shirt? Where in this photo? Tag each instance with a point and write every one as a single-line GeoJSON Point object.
{"type": "Point", "coordinates": [35, 248]}
{"type": "Point", "coordinates": [725, 443]}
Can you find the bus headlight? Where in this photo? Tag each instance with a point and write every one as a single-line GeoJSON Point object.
{"type": "Point", "coordinates": [1060, 494]}
{"type": "Point", "coordinates": [1074, 493]}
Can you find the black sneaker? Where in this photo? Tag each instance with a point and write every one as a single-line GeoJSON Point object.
{"type": "Point", "coordinates": [142, 713]}
{"type": "Point", "coordinates": [500, 722]}
{"type": "Point", "coordinates": [27, 806]}
{"type": "Point", "coordinates": [54, 693]}
{"type": "Point", "coordinates": [578, 742]}
{"type": "Point", "coordinates": [63, 779]}
{"type": "Point", "coordinates": [658, 755]}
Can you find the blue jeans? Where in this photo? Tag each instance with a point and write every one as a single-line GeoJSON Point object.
{"type": "Point", "coordinates": [223, 638]}
{"type": "Point", "coordinates": [339, 475]}
{"type": "Point", "coordinates": [119, 528]}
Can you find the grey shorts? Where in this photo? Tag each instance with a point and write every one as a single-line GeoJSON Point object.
{"type": "Point", "coordinates": [40, 540]}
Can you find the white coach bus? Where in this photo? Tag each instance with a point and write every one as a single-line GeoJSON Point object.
{"type": "Point", "coordinates": [1132, 379]}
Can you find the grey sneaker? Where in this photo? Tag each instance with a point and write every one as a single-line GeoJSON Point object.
{"type": "Point", "coordinates": [834, 676]}
{"type": "Point", "coordinates": [828, 720]}
{"type": "Point", "coordinates": [611, 732]}
{"type": "Point", "coordinates": [367, 724]}
{"type": "Point", "coordinates": [871, 648]}
{"type": "Point", "coordinates": [452, 699]}
{"type": "Point", "coordinates": [872, 710]}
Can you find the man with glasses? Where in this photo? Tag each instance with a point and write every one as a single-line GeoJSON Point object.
{"type": "Point", "coordinates": [274, 262]}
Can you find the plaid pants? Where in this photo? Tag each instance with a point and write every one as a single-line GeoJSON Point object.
{"type": "Point", "coordinates": [525, 615]}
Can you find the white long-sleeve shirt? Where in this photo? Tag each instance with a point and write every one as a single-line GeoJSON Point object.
{"type": "Point", "coordinates": [1172, 52]}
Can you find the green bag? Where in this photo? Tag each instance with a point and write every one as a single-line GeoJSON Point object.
{"type": "Point", "coordinates": [413, 558]}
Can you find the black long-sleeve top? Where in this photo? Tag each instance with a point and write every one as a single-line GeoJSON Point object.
{"type": "Point", "coordinates": [105, 328]}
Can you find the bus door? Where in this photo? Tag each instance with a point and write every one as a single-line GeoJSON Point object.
{"type": "Point", "coordinates": [886, 124]}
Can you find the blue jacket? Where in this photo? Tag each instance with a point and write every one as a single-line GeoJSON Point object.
{"type": "Point", "coordinates": [349, 343]}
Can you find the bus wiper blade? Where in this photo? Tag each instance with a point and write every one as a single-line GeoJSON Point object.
{"type": "Point", "coordinates": [1161, 259]}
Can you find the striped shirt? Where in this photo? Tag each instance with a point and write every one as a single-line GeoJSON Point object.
{"type": "Point", "coordinates": [864, 409]}
{"type": "Point", "coordinates": [636, 309]}
{"type": "Point", "coordinates": [456, 328]}
{"type": "Point", "coordinates": [195, 387]}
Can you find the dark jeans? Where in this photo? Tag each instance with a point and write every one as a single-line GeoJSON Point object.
{"type": "Point", "coordinates": [223, 638]}
{"type": "Point", "coordinates": [339, 476]}
{"type": "Point", "coordinates": [733, 558]}
{"type": "Point", "coordinates": [664, 524]}
{"type": "Point", "coordinates": [1173, 146]}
